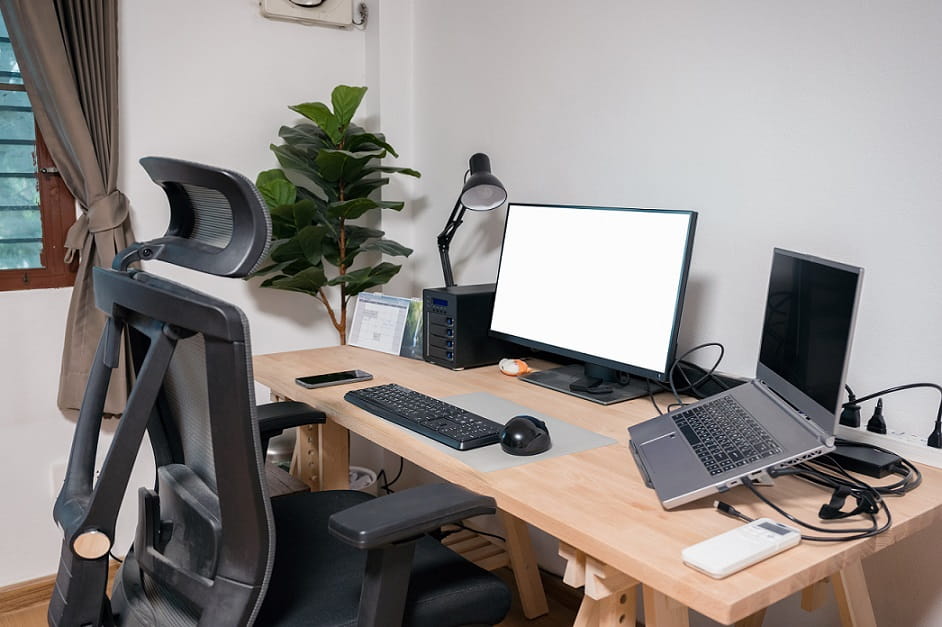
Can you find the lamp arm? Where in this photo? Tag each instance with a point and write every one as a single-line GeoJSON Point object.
{"type": "Point", "coordinates": [444, 241]}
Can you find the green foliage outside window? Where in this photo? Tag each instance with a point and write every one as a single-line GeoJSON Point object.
{"type": "Point", "coordinates": [20, 223]}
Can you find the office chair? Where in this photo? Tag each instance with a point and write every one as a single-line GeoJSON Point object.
{"type": "Point", "coordinates": [211, 548]}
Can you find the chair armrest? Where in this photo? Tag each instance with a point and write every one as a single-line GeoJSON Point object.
{"type": "Point", "coordinates": [273, 418]}
{"type": "Point", "coordinates": [407, 515]}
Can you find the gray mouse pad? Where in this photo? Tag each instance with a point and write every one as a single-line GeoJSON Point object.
{"type": "Point", "coordinates": [567, 438]}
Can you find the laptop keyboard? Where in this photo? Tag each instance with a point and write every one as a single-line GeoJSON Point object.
{"type": "Point", "coordinates": [724, 435]}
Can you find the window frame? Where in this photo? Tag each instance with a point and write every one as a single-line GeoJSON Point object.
{"type": "Point", "coordinates": [57, 214]}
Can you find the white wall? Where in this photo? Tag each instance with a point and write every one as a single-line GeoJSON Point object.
{"type": "Point", "coordinates": [208, 81]}
{"type": "Point", "coordinates": [811, 127]}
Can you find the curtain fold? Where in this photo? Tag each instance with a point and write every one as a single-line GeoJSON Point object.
{"type": "Point", "coordinates": [68, 54]}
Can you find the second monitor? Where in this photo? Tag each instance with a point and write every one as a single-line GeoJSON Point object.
{"type": "Point", "coordinates": [601, 285]}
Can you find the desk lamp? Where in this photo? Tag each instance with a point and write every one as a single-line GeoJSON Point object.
{"type": "Point", "coordinates": [482, 191]}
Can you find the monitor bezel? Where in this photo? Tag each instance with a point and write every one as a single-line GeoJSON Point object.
{"type": "Point", "coordinates": [822, 416]}
{"type": "Point", "coordinates": [586, 358]}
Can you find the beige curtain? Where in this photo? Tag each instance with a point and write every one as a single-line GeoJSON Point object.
{"type": "Point", "coordinates": [68, 55]}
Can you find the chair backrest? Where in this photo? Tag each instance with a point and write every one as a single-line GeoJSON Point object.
{"type": "Point", "coordinates": [204, 544]}
{"type": "Point", "coordinates": [218, 220]}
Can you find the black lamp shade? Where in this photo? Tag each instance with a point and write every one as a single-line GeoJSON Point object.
{"type": "Point", "coordinates": [482, 191]}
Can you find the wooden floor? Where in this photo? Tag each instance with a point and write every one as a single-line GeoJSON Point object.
{"type": "Point", "coordinates": [563, 604]}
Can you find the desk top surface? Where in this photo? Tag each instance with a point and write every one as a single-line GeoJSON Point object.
{"type": "Point", "coordinates": [595, 500]}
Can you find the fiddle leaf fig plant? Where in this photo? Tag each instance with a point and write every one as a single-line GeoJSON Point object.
{"type": "Point", "coordinates": [330, 173]}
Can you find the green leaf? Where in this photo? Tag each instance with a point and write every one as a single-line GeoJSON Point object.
{"type": "Point", "coordinates": [308, 182]}
{"type": "Point", "coordinates": [369, 141]}
{"type": "Point", "coordinates": [352, 209]}
{"type": "Point", "coordinates": [387, 247]}
{"type": "Point", "coordinates": [365, 278]}
{"type": "Point", "coordinates": [275, 267]}
{"type": "Point", "coordinates": [405, 171]}
{"type": "Point", "coordinates": [275, 188]}
{"type": "Point", "coordinates": [357, 234]}
{"type": "Point", "coordinates": [306, 136]}
{"type": "Point", "coordinates": [308, 281]}
{"type": "Point", "coordinates": [303, 213]}
{"type": "Point", "coordinates": [395, 205]}
{"type": "Point", "coordinates": [282, 222]}
{"type": "Point", "coordinates": [321, 115]}
{"type": "Point", "coordinates": [343, 165]}
{"type": "Point", "coordinates": [289, 251]}
{"type": "Point", "coordinates": [346, 100]}
{"type": "Point", "coordinates": [291, 158]}
{"type": "Point", "coordinates": [364, 187]}
{"type": "Point", "coordinates": [310, 241]}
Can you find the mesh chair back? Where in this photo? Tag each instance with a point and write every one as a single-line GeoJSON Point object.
{"type": "Point", "coordinates": [219, 223]}
{"type": "Point", "coordinates": [204, 545]}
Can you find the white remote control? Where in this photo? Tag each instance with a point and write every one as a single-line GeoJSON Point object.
{"type": "Point", "coordinates": [734, 550]}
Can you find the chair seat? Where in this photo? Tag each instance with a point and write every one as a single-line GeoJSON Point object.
{"type": "Point", "coordinates": [316, 578]}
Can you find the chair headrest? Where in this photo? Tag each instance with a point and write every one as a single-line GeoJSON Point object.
{"type": "Point", "coordinates": [219, 223]}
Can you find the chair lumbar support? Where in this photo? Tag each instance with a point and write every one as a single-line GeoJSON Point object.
{"type": "Point", "coordinates": [91, 544]}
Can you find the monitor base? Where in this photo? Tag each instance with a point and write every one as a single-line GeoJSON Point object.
{"type": "Point", "coordinates": [562, 378]}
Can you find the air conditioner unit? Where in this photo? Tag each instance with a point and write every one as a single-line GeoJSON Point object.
{"type": "Point", "coordinates": [334, 12]}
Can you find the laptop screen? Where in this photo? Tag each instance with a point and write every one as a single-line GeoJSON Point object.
{"type": "Point", "coordinates": [809, 320]}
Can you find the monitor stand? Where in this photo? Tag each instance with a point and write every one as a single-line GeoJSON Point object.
{"type": "Point", "coordinates": [593, 383]}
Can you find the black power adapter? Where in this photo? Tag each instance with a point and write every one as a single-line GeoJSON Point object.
{"type": "Point", "coordinates": [865, 460]}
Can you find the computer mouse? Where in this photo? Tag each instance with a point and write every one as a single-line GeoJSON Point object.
{"type": "Point", "coordinates": [525, 435]}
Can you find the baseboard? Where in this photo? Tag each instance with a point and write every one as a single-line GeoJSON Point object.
{"type": "Point", "coordinates": [26, 594]}
{"type": "Point", "coordinates": [19, 596]}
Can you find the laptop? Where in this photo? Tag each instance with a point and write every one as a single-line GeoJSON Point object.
{"type": "Point", "coordinates": [786, 415]}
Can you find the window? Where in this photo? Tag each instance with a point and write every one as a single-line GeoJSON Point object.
{"type": "Point", "coordinates": [36, 208]}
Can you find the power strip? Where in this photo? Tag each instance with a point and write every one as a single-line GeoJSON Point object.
{"type": "Point", "coordinates": [905, 445]}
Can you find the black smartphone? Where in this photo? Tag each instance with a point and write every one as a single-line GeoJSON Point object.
{"type": "Point", "coordinates": [333, 378]}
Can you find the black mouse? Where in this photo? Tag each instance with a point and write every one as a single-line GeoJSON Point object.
{"type": "Point", "coordinates": [525, 435]}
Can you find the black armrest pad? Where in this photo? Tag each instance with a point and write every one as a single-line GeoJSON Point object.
{"type": "Point", "coordinates": [275, 417]}
{"type": "Point", "coordinates": [407, 514]}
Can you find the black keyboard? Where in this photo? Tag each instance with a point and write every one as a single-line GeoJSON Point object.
{"type": "Point", "coordinates": [438, 420]}
{"type": "Point", "coordinates": [724, 435]}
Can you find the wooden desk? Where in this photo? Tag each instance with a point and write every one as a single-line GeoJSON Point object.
{"type": "Point", "coordinates": [613, 531]}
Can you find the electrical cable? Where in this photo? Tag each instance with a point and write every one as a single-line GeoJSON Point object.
{"type": "Point", "coordinates": [935, 438]}
{"type": "Point", "coordinates": [706, 374]}
{"type": "Point", "coordinates": [703, 379]}
{"type": "Point", "coordinates": [846, 534]}
{"type": "Point", "coordinates": [383, 481]}
{"type": "Point", "coordinates": [651, 396]}
{"type": "Point", "coordinates": [826, 472]}
{"type": "Point", "coordinates": [445, 534]}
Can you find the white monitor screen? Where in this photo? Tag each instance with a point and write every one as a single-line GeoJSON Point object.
{"type": "Point", "coordinates": [604, 285]}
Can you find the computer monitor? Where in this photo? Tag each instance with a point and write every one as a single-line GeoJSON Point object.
{"type": "Point", "coordinates": [600, 285]}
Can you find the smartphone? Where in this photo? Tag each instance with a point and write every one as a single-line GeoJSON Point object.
{"type": "Point", "coordinates": [333, 378]}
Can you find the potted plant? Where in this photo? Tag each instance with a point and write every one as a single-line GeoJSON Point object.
{"type": "Point", "coordinates": [330, 173]}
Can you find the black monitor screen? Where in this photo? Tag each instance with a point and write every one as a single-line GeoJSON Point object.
{"type": "Point", "coordinates": [808, 322]}
{"type": "Point", "coordinates": [598, 284]}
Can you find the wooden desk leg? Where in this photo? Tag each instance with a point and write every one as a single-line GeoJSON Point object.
{"type": "Point", "coordinates": [334, 444]}
{"type": "Point", "coordinates": [754, 620]}
{"type": "Point", "coordinates": [524, 566]}
{"type": "Point", "coordinates": [306, 459]}
{"type": "Point", "coordinates": [661, 610]}
{"type": "Point", "coordinates": [853, 598]}
{"type": "Point", "coordinates": [815, 596]}
{"type": "Point", "coordinates": [610, 596]}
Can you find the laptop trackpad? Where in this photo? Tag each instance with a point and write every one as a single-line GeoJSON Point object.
{"type": "Point", "coordinates": [673, 466]}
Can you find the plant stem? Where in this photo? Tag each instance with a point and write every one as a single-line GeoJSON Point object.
{"type": "Point", "coordinates": [341, 325]}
